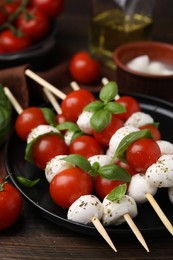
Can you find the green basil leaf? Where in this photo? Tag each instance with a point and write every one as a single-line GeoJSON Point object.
{"type": "Point", "coordinates": [94, 106]}
{"type": "Point", "coordinates": [108, 92]}
{"type": "Point", "coordinates": [49, 115]}
{"type": "Point", "coordinates": [128, 140]}
{"type": "Point", "coordinates": [100, 120]}
{"type": "Point", "coordinates": [76, 134]}
{"type": "Point", "coordinates": [114, 172]}
{"type": "Point", "coordinates": [79, 161]}
{"type": "Point", "coordinates": [117, 193]}
{"type": "Point", "coordinates": [114, 107]}
{"type": "Point", "coordinates": [68, 126]}
{"type": "Point", "coordinates": [94, 169]}
{"type": "Point", "coordinates": [26, 182]}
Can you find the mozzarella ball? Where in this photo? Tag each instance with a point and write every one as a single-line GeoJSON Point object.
{"type": "Point", "coordinates": [138, 188]}
{"type": "Point", "coordinates": [83, 122]}
{"type": "Point", "coordinates": [56, 165]}
{"type": "Point", "coordinates": [84, 209]}
{"type": "Point", "coordinates": [40, 130]}
{"type": "Point", "coordinates": [102, 159]}
{"type": "Point", "coordinates": [160, 174]}
{"type": "Point", "coordinates": [139, 119]}
{"type": "Point", "coordinates": [113, 212]}
{"type": "Point", "coordinates": [68, 137]}
{"type": "Point", "coordinates": [170, 194]}
{"type": "Point", "coordinates": [165, 147]}
{"type": "Point", "coordinates": [139, 63]}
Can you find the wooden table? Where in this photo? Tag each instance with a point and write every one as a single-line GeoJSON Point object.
{"type": "Point", "coordinates": [32, 236]}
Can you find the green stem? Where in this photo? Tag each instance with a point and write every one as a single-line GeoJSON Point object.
{"type": "Point", "coordinates": [2, 183]}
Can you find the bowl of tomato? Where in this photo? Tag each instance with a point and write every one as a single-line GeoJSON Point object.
{"type": "Point", "coordinates": [28, 31]}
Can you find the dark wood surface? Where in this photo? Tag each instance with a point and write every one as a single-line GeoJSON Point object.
{"type": "Point", "coordinates": [32, 236]}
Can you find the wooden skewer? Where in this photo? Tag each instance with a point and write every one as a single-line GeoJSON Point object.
{"type": "Point", "coordinates": [53, 101]}
{"type": "Point", "coordinates": [136, 231]}
{"type": "Point", "coordinates": [160, 213]}
{"type": "Point", "coordinates": [104, 81]}
{"type": "Point", "coordinates": [74, 85]}
{"type": "Point", "coordinates": [45, 84]}
{"type": "Point", "coordinates": [96, 222]}
{"type": "Point", "coordinates": [13, 100]}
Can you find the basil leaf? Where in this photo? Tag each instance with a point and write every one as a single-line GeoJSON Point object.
{"type": "Point", "coordinates": [94, 106]}
{"type": "Point", "coordinates": [94, 169]}
{"type": "Point", "coordinates": [117, 193]}
{"type": "Point", "coordinates": [100, 120]}
{"type": "Point", "coordinates": [26, 182]}
{"type": "Point", "coordinates": [76, 134]}
{"type": "Point", "coordinates": [68, 126]}
{"type": "Point", "coordinates": [109, 91]}
{"type": "Point", "coordinates": [128, 140]}
{"type": "Point", "coordinates": [114, 172]}
{"type": "Point", "coordinates": [5, 115]}
{"type": "Point", "coordinates": [114, 107]}
{"type": "Point", "coordinates": [79, 161]}
{"type": "Point", "coordinates": [49, 116]}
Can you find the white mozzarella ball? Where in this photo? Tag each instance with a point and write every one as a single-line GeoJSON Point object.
{"type": "Point", "coordinates": [84, 209]}
{"type": "Point", "coordinates": [68, 137]}
{"type": "Point", "coordinates": [160, 174]}
{"type": "Point", "coordinates": [56, 165]}
{"type": "Point", "coordinates": [165, 147]}
{"type": "Point", "coordinates": [167, 72]}
{"type": "Point", "coordinates": [138, 188]}
{"type": "Point", "coordinates": [139, 63]}
{"type": "Point", "coordinates": [83, 122]}
{"type": "Point", "coordinates": [118, 136]}
{"type": "Point", "coordinates": [40, 130]}
{"type": "Point", "coordinates": [170, 194]}
{"type": "Point", "coordinates": [102, 159]}
{"type": "Point", "coordinates": [155, 67]}
{"type": "Point", "coordinates": [139, 119]}
{"type": "Point", "coordinates": [113, 212]}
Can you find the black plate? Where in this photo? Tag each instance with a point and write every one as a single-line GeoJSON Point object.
{"type": "Point", "coordinates": [147, 220]}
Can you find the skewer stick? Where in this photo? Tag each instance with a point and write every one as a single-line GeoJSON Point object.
{"type": "Point", "coordinates": [53, 101]}
{"type": "Point", "coordinates": [104, 81]}
{"type": "Point", "coordinates": [96, 222]}
{"type": "Point", "coordinates": [45, 84]}
{"type": "Point", "coordinates": [136, 231]}
{"type": "Point", "coordinates": [13, 100]}
{"type": "Point", "coordinates": [74, 85]}
{"type": "Point", "coordinates": [160, 213]}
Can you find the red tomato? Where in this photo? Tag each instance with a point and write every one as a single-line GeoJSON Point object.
{"type": "Point", "coordinates": [154, 130]}
{"type": "Point", "coordinates": [84, 69]}
{"type": "Point", "coordinates": [86, 146]}
{"type": "Point", "coordinates": [47, 147]}
{"type": "Point", "coordinates": [3, 15]}
{"type": "Point", "coordinates": [142, 153]}
{"type": "Point", "coordinates": [127, 167]}
{"type": "Point", "coordinates": [104, 186]}
{"type": "Point", "coordinates": [30, 118]}
{"type": "Point", "coordinates": [10, 204]}
{"type": "Point", "coordinates": [60, 118]}
{"type": "Point", "coordinates": [68, 185]}
{"type": "Point", "coordinates": [74, 103]}
{"type": "Point", "coordinates": [51, 8]}
{"type": "Point", "coordinates": [131, 105]}
{"type": "Point", "coordinates": [36, 26]}
{"type": "Point", "coordinates": [11, 6]}
{"type": "Point", "coordinates": [104, 136]}
{"type": "Point", "coordinates": [11, 43]}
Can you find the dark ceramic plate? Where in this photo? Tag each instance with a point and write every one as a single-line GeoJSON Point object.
{"type": "Point", "coordinates": [38, 196]}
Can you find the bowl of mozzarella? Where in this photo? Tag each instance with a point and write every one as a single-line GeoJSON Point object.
{"type": "Point", "coordinates": [145, 67]}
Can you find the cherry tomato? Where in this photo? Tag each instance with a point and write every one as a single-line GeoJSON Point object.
{"type": "Point", "coordinates": [104, 136]}
{"type": "Point", "coordinates": [30, 118]}
{"type": "Point", "coordinates": [47, 147]}
{"type": "Point", "coordinates": [11, 6]}
{"type": "Point", "coordinates": [10, 204]}
{"type": "Point", "coordinates": [68, 185]}
{"type": "Point", "coordinates": [154, 130]}
{"type": "Point", "coordinates": [10, 42]}
{"type": "Point", "coordinates": [60, 118]}
{"type": "Point", "coordinates": [51, 8]}
{"type": "Point", "coordinates": [86, 146]}
{"type": "Point", "coordinates": [74, 103]}
{"type": "Point", "coordinates": [3, 15]}
{"type": "Point", "coordinates": [104, 186]}
{"type": "Point", "coordinates": [127, 167]}
{"type": "Point", "coordinates": [36, 26]}
{"type": "Point", "coordinates": [131, 105]}
{"type": "Point", "coordinates": [142, 153]}
{"type": "Point", "coordinates": [84, 69]}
